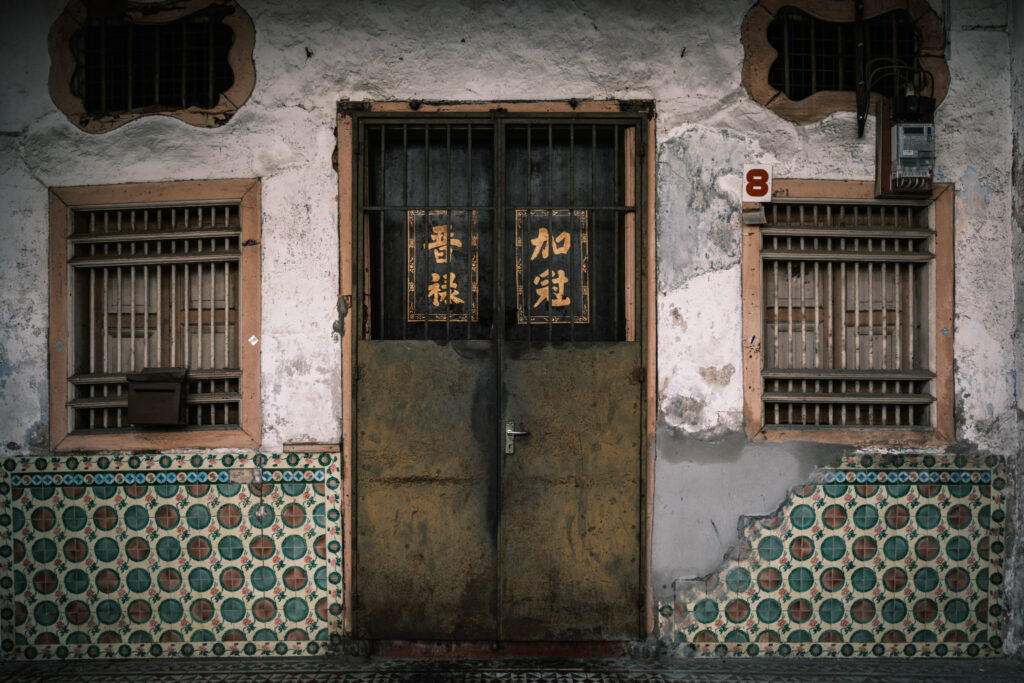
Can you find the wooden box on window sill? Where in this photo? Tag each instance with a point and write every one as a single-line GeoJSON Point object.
{"type": "Point", "coordinates": [156, 396]}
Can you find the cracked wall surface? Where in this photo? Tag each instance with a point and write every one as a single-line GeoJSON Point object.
{"type": "Point", "coordinates": [310, 56]}
{"type": "Point", "coordinates": [699, 185]}
{"type": "Point", "coordinates": [1015, 574]}
{"type": "Point", "coordinates": [880, 555]}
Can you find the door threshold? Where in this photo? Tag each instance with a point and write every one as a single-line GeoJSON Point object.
{"type": "Point", "coordinates": [481, 649]}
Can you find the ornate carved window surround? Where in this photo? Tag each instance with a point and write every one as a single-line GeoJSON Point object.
{"type": "Point", "coordinates": [63, 62]}
{"type": "Point", "coordinates": [759, 53]}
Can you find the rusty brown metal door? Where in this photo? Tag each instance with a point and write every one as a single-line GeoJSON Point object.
{"type": "Point", "coordinates": [498, 399]}
{"type": "Point", "coordinates": [570, 551]}
{"type": "Point", "coordinates": [427, 516]}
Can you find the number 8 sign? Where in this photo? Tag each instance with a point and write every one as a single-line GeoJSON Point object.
{"type": "Point", "coordinates": [757, 183]}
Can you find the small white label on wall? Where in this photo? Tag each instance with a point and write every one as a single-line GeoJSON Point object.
{"type": "Point", "coordinates": [757, 183]}
{"type": "Point", "coordinates": [254, 340]}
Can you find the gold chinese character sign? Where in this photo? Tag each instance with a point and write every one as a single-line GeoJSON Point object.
{"type": "Point", "coordinates": [443, 266]}
{"type": "Point", "coordinates": [552, 266]}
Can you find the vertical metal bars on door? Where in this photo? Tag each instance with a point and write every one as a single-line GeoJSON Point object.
{"type": "Point", "coordinates": [566, 186]}
{"type": "Point", "coordinates": [422, 213]}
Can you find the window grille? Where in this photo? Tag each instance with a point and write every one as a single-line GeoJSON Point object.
{"type": "Point", "coordinates": [505, 226]}
{"type": "Point", "coordinates": [154, 287]}
{"type": "Point", "coordinates": [845, 310]}
{"type": "Point", "coordinates": [816, 55]}
{"type": "Point", "coordinates": [125, 66]}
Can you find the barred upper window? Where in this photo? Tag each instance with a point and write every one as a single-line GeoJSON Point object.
{"type": "Point", "coordinates": [113, 62]}
{"type": "Point", "coordinates": [155, 277]}
{"type": "Point", "coordinates": [122, 66]}
{"type": "Point", "coordinates": [850, 295]}
{"type": "Point", "coordinates": [800, 56]}
{"type": "Point", "coordinates": [435, 228]}
{"type": "Point", "coordinates": [816, 55]}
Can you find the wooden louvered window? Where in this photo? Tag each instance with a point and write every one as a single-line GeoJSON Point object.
{"type": "Point", "coordinates": [156, 276]}
{"type": "Point", "coordinates": [850, 292]}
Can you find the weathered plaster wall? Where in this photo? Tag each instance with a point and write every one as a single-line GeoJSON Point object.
{"type": "Point", "coordinates": [975, 127]}
{"type": "Point", "coordinates": [1015, 570]}
{"type": "Point", "coordinates": [311, 55]}
{"type": "Point", "coordinates": [281, 136]}
{"type": "Point", "coordinates": [698, 200]}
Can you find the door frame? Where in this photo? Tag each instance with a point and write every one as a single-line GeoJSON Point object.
{"type": "Point", "coordinates": [345, 161]}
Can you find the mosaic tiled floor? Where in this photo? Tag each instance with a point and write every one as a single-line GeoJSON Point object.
{"type": "Point", "coordinates": [310, 669]}
{"type": "Point", "coordinates": [883, 556]}
{"type": "Point", "coordinates": [168, 555]}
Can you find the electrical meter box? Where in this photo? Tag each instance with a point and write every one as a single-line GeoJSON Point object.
{"type": "Point", "coordinates": [913, 151]}
{"type": "Point", "coordinates": [906, 155]}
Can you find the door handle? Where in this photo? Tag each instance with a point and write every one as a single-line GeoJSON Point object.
{"type": "Point", "coordinates": [510, 436]}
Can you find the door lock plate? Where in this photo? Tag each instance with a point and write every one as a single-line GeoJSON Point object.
{"type": "Point", "coordinates": [510, 436]}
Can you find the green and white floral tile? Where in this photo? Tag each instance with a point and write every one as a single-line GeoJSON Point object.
{"type": "Point", "coordinates": [882, 555]}
{"type": "Point", "coordinates": [168, 555]}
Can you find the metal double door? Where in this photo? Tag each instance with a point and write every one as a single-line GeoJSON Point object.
{"type": "Point", "coordinates": [498, 426]}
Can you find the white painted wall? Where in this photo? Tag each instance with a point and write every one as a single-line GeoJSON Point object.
{"type": "Point", "coordinates": [1015, 573]}
{"type": "Point", "coordinates": [310, 55]}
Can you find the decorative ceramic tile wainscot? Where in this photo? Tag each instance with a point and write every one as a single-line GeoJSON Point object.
{"type": "Point", "coordinates": [170, 555]}
{"type": "Point", "coordinates": [882, 556]}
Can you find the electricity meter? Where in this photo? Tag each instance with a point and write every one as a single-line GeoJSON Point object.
{"type": "Point", "coordinates": [906, 154]}
{"type": "Point", "coordinates": [913, 156]}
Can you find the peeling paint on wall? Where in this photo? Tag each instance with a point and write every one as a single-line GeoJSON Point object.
{"type": "Point", "coordinates": [697, 204]}
{"type": "Point", "coordinates": [718, 376]}
{"type": "Point", "coordinates": [310, 56]}
{"type": "Point", "coordinates": [972, 197]}
{"type": "Point", "coordinates": [698, 356]}
{"type": "Point", "coordinates": [1015, 565]}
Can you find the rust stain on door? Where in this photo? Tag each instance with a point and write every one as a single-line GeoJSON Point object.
{"type": "Point", "coordinates": [570, 548]}
{"type": "Point", "coordinates": [426, 509]}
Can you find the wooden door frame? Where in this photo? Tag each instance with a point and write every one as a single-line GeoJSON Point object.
{"type": "Point", "coordinates": [345, 161]}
